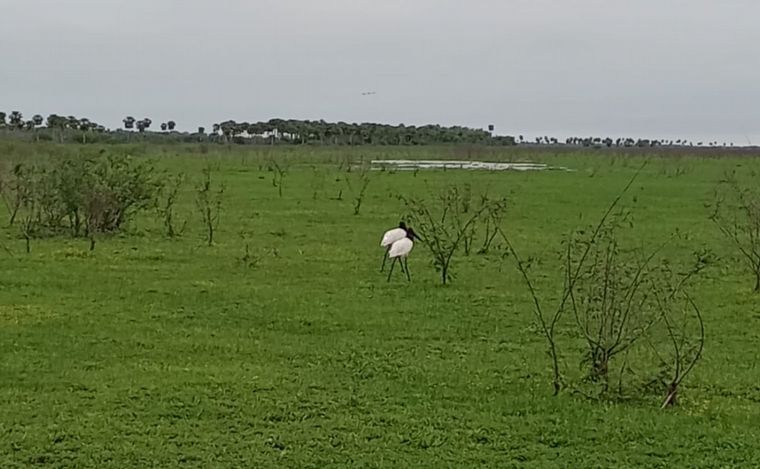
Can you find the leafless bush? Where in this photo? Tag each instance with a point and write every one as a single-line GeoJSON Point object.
{"type": "Point", "coordinates": [248, 259]}
{"type": "Point", "coordinates": [443, 226]}
{"type": "Point", "coordinates": [461, 200]}
{"type": "Point", "coordinates": [736, 213]}
{"type": "Point", "coordinates": [30, 211]}
{"type": "Point", "coordinates": [317, 182]}
{"type": "Point", "coordinates": [13, 189]}
{"type": "Point", "coordinates": [357, 182]}
{"type": "Point", "coordinates": [621, 300]}
{"type": "Point", "coordinates": [493, 217]}
{"type": "Point", "coordinates": [679, 343]}
{"type": "Point", "coordinates": [686, 349]}
{"type": "Point", "coordinates": [610, 302]}
{"type": "Point", "coordinates": [166, 206]}
{"type": "Point", "coordinates": [208, 200]}
{"type": "Point", "coordinates": [279, 171]}
{"type": "Point", "coordinates": [548, 320]}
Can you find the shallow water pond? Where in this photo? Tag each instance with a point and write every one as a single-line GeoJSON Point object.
{"type": "Point", "coordinates": [409, 165]}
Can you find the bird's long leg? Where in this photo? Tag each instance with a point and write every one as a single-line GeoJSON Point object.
{"type": "Point", "coordinates": [393, 262]}
{"type": "Point", "coordinates": [406, 268]}
{"type": "Point", "coordinates": [385, 257]}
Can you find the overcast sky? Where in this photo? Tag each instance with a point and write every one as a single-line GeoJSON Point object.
{"type": "Point", "coordinates": [644, 68]}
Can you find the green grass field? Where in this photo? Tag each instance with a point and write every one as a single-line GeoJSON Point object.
{"type": "Point", "coordinates": [152, 352]}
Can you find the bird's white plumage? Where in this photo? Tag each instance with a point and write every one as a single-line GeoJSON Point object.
{"type": "Point", "coordinates": [401, 248]}
{"type": "Point", "coordinates": [391, 236]}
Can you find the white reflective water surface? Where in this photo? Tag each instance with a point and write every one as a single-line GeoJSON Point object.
{"type": "Point", "coordinates": [409, 165]}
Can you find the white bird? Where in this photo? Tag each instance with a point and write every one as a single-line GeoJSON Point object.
{"type": "Point", "coordinates": [390, 237]}
{"type": "Point", "coordinates": [400, 250]}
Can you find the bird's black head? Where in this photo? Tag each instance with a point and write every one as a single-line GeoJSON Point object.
{"type": "Point", "coordinates": [402, 225]}
{"type": "Point", "coordinates": [411, 234]}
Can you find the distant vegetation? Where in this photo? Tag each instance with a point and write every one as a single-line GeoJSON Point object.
{"type": "Point", "coordinates": [72, 129]}
{"type": "Point", "coordinates": [275, 131]}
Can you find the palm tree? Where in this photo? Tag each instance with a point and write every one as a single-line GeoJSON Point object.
{"type": "Point", "coordinates": [164, 126]}
{"type": "Point", "coordinates": [35, 122]}
{"type": "Point", "coordinates": [143, 124]}
{"type": "Point", "coordinates": [129, 122]}
{"type": "Point", "coordinates": [84, 125]}
{"type": "Point", "coordinates": [171, 125]}
{"type": "Point", "coordinates": [16, 119]}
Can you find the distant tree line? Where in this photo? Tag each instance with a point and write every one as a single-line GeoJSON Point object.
{"type": "Point", "coordinates": [273, 131]}
{"type": "Point", "coordinates": [343, 133]}
{"type": "Point", "coordinates": [620, 142]}
{"type": "Point", "coordinates": [298, 132]}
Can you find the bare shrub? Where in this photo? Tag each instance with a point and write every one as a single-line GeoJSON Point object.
{"type": "Point", "coordinates": [493, 218]}
{"type": "Point", "coordinates": [548, 320]}
{"type": "Point", "coordinates": [208, 200]}
{"type": "Point", "coordinates": [444, 224]}
{"type": "Point", "coordinates": [357, 181]}
{"type": "Point", "coordinates": [13, 189]}
{"type": "Point", "coordinates": [610, 302]}
{"type": "Point", "coordinates": [736, 213]}
{"type": "Point", "coordinates": [317, 182]}
{"type": "Point", "coordinates": [679, 343]}
{"type": "Point", "coordinates": [279, 171]}
{"type": "Point", "coordinates": [686, 351]}
{"type": "Point", "coordinates": [29, 207]}
{"type": "Point", "coordinates": [249, 260]}
{"type": "Point", "coordinates": [462, 209]}
{"type": "Point", "coordinates": [621, 301]}
{"type": "Point", "coordinates": [167, 206]}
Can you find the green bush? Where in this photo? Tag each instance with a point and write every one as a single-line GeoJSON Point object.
{"type": "Point", "coordinates": [83, 195]}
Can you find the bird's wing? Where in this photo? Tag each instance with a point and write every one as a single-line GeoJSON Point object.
{"type": "Point", "coordinates": [402, 247]}
{"type": "Point", "coordinates": [391, 236]}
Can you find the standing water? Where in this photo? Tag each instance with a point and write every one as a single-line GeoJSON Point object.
{"type": "Point", "coordinates": [408, 165]}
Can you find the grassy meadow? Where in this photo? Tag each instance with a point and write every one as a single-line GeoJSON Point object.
{"type": "Point", "coordinates": [282, 345]}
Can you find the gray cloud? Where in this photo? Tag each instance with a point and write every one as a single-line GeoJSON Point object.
{"type": "Point", "coordinates": [662, 68]}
